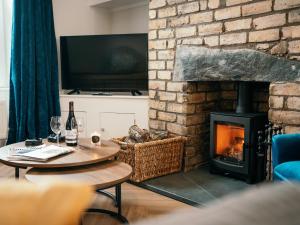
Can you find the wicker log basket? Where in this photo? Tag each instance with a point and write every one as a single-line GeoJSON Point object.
{"type": "Point", "coordinates": [154, 158]}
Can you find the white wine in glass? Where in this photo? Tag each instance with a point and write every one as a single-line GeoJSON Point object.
{"type": "Point", "coordinates": [56, 126]}
{"type": "Point", "coordinates": [80, 124]}
{"type": "Point", "coordinates": [80, 128]}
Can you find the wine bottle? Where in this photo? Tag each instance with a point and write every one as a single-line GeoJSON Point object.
{"type": "Point", "coordinates": [71, 127]}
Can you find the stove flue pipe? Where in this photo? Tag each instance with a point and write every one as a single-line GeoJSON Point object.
{"type": "Point", "coordinates": [244, 104]}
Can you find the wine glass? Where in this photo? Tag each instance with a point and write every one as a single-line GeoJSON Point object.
{"type": "Point", "coordinates": [74, 128]}
{"type": "Point", "coordinates": [55, 125]}
{"type": "Point", "coordinates": [80, 126]}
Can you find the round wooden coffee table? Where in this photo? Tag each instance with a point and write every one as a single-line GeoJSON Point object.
{"type": "Point", "coordinates": [90, 165]}
{"type": "Point", "coordinates": [80, 157]}
{"type": "Point", "coordinates": [101, 176]}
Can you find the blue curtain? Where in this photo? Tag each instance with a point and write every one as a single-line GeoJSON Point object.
{"type": "Point", "coordinates": [34, 92]}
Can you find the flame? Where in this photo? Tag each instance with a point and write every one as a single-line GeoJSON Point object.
{"type": "Point", "coordinates": [230, 140]}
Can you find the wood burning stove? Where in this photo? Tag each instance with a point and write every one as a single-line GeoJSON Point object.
{"type": "Point", "coordinates": [233, 143]}
{"type": "Point", "coordinates": [233, 139]}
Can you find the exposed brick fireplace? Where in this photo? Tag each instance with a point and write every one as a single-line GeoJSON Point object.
{"type": "Point", "coordinates": [183, 107]}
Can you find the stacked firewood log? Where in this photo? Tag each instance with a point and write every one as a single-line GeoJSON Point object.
{"type": "Point", "coordinates": [139, 135]}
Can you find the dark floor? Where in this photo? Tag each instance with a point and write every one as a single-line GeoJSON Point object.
{"type": "Point", "coordinates": [197, 187]}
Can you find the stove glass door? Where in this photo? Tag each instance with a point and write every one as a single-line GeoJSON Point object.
{"type": "Point", "coordinates": [229, 142]}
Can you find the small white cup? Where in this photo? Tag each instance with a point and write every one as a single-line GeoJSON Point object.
{"type": "Point", "coordinates": [96, 139]}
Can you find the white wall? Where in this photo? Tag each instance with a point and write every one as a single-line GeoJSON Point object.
{"type": "Point", "coordinates": [132, 20]}
{"type": "Point", "coordinates": [76, 17]}
{"type": "Point", "coordinates": [4, 97]}
{"type": "Point", "coordinates": [5, 37]}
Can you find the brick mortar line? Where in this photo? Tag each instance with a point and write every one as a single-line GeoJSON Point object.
{"type": "Point", "coordinates": [254, 16]}
{"type": "Point", "coordinates": [220, 7]}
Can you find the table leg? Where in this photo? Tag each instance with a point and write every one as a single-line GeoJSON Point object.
{"type": "Point", "coordinates": [117, 215]}
{"type": "Point", "coordinates": [17, 172]}
{"type": "Point", "coordinates": [109, 195]}
{"type": "Point", "coordinates": [119, 198]}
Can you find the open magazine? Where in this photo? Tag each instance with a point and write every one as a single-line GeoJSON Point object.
{"type": "Point", "coordinates": [39, 154]}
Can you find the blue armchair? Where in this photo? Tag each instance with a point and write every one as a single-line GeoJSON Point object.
{"type": "Point", "coordinates": [286, 157]}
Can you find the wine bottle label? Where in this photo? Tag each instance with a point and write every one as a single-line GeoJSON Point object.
{"type": "Point", "coordinates": [71, 136]}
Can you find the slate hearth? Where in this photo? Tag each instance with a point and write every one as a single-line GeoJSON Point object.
{"type": "Point", "coordinates": [197, 187]}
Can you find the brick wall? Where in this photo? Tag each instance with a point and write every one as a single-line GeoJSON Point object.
{"type": "Point", "coordinates": [272, 26]}
{"type": "Point", "coordinates": [285, 106]}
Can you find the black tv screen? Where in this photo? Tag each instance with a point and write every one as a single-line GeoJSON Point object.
{"type": "Point", "coordinates": [105, 62]}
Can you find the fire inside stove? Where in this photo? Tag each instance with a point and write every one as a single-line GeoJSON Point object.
{"type": "Point", "coordinates": [229, 142]}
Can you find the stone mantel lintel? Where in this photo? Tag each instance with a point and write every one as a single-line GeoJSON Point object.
{"type": "Point", "coordinates": [205, 64]}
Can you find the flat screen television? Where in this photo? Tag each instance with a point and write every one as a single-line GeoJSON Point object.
{"type": "Point", "coordinates": [105, 62]}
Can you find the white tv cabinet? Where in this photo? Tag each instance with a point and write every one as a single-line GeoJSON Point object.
{"type": "Point", "coordinates": [109, 115]}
